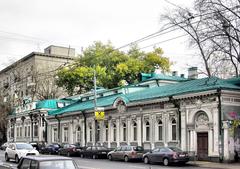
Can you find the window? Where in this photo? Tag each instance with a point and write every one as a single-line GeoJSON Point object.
{"type": "Point", "coordinates": [98, 133]}
{"type": "Point", "coordinates": [79, 135]}
{"type": "Point", "coordinates": [55, 135]}
{"type": "Point", "coordinates": [12, 132]}
{"type": "Point", "coordinates": [17, 131]}
{"type": "Point", "coordinates": [25, 131]}
{"type": "Point", "coordinates": [147, 131]}
{"type": "Point", "coordinates": [106, 132]}
{"type": "Point", "coordinates": [124, 132]}
{"type": "Point", "coordinates": [35, 130]}
{"type": "Point", "coordinates": [28, 131]}
{"type": "Point", "coordinates": [25, 164]}
{"type": "Point", "coordinates": [65, 134]}
{"type": "Point", "coordinates": [174, 130]}
{"type": "Point", "coordinates": [134, 131]}
{"type": "Point", "coordinates": [114, 132]}
{"type": "Point", "coordinates": [90, 133]}
{"type": "Point", "coordinates": [160, 128]}
{"type": "Point", "coordinates": [34, 164]}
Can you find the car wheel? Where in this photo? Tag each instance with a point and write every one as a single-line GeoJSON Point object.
{"type": "Point", "coordinates": [94, 156]}
{"type": "Point", "coordinates": [6, 157]}
{"type": "Point", "coordinates": [165, 162]}
{"type": "Point", "coordinates": [110, 157]}
{"type": "Point", "coordinates": [146, 160]}
{"type": "Point", "coordinates": [16, 159]}
{"type": "Point", "coordinates": [126, 159]}
{"type": "Point", "coordinates": [68, 154]}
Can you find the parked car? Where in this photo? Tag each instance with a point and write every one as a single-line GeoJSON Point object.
{"type": "Point", "coordinates": [70, 150]}
{"type": "Point", "coordinates": [4, 146]}
{"type": "Point", "coordinates": [37, 145]}
{"type": "Point", "coordinates": [47, 162]}
{"type": "Point", "coordinates": [18, 150]}
{"type": "Point", "coordinates": [166, 155]}
{"type": "Point", "coordinates": [95, 152]}
{"type": "Point", "coordinates": [50, 149]}
{"type": "Point", "coordinates": [126, 153]}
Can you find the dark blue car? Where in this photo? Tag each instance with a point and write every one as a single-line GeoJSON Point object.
{"type": "Point", "coordinates": [50, 149]}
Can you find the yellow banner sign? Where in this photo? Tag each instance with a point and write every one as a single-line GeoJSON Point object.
{"type": "Point", "coordinates": [99, 115]}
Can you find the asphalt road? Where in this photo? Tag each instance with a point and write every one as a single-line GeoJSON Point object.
{"type": "Point", "coordinates": [106, 164]}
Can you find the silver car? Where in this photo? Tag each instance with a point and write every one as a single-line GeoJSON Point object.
{"type": "Point", "coordinates": [126, 153]}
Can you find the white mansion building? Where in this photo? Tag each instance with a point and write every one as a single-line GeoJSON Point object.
{"type": "Point", "coordinates": [193, 114]}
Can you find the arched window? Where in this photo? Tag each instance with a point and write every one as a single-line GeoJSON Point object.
{"type": "Point", "coordinates": [124, 132]}
{"type": "Point", "coordinates": [90, 133]}
{"type": "Point", "coordinates": [134, 131]}
{"type": "Point", "coordinates": [174, 129]}
{"type": "Point", "coordinates": [78, 135]}
{"type": "Point", "coordinates": [147, 126]}
{"type": "Point", "coordinates": [160, 130]}
{"type": "Point", "coordinates": [114, 132]}
{"type": "Point", "coordinates": [98, 133]}
{"type": "Point", "coordinates": [106, 132]}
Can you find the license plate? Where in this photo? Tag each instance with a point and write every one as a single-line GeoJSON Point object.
{"type": "Point", "coordinates": [182, 155]}
{"type": "Point", "coordinates": [104, 153]}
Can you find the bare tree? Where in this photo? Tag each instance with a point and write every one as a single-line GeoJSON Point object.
{"type": "Point", "coordinates": [213, 29]}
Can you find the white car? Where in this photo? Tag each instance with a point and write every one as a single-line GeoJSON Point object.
{"type": "Point", "coordinates": [18, 150]}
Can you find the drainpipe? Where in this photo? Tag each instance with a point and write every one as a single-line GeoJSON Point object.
{"type": "Point", "coordinates": [46, 125]}
{"type": "Point", "coordinates": [85, 128]}
{"type": "Point", "coordinates": [221, 146]}
{"type": "Point", "coordinates": [59, 133]}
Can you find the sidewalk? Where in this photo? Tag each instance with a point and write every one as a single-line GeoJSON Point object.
{"type": "Point", "coordinates": [207, 164]}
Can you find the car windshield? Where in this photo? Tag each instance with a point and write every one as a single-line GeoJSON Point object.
{"type": "Point", "coordinates": [138, 148]}
{"type": "Point", "coordinates": [24, 146]}
{"type": "Point", "coordinates": [175, 149]}
{"type": "Point", "coordinates": [63, 164]}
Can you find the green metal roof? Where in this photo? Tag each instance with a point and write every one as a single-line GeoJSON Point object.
{"type": "Point", "coordinates": [191, 86]}
{"type": "Point", "coordinates": [87, 105]}
{"type": "Point", "coordinates": [51, 104]}
{"type": "Point", "coordinates": [154, 76]}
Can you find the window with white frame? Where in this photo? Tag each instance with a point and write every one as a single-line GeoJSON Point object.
{"type": "Point", "coordinates": [147, 134]}
{"type": "Point", "coordinates": [12, 132]}
{"type": "Point", "coordinates": [55, 135]}
{"type": "Point", "coordinates": [28, 131]}
{"type": "Point", "coordinates": [78, 135]}
{"type": "Point", "coordinates": [160, 130]}
{"type": "Point", "coordinates": [35, 130]}
{"type": "Point", "coordinates": [134, 131]}
{"type": "Point", "coordinates": [65, 134]}
{"type": "Point", "coordinates": [174, 129]}
{"type": "Point", "coordinates": [124, 132]}
{"type": "Point", "coordinates": [25, 131]}
{"type": "Point", "coordinates": [98, 132]}
{"type": "Point", "coordinates": [17, 131]}
{"type": "Point", "coordinates": [106, 132]}
{"type": "Point", "coordinates": [90, 133]}
{"type": "Point", "coordinates": [114, 132]}
{"type": "Point", "coordinates": [20, 131]}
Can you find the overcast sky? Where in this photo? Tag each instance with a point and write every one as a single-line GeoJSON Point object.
{"type": "Point", "coordinates": [32, 25]}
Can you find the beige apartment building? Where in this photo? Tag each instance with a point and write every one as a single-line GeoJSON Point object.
{"type": "Point", "coordinates": [33, 76]}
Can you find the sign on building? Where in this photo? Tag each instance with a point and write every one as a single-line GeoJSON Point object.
{"type": "Point", "coordinates": [99, 113]}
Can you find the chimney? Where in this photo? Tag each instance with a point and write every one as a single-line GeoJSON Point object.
{"type": "Point", "coordinates": [192, 73]}
{"type": "Point", "coordinates": [174, 73]}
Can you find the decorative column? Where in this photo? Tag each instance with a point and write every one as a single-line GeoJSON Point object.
{"type": "Point", "coordinates": [139, 131]}
{"type": "Point", "coordinates": [226, 154]}
{"type": "Point", "coordinates": [118, 131]}
{"type": "Point", "coordinates": [183, 131]}
{"type": "Point", "coordinates": [128, 123]}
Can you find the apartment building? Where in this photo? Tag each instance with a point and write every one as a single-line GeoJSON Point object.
{"type": "Point", "coordinates": [33, 76]}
